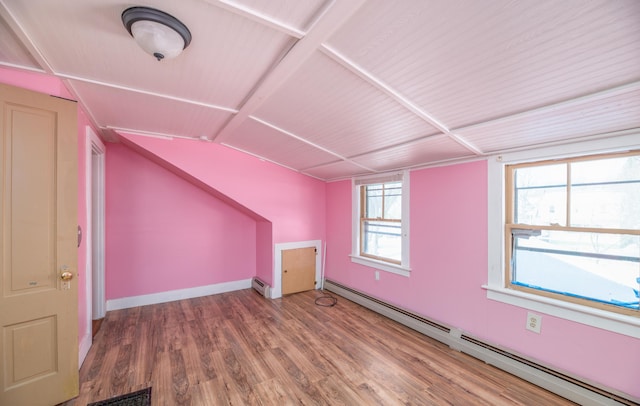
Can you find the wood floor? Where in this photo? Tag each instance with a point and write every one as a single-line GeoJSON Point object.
{"type": "Point", "coordinates": [241, 349]}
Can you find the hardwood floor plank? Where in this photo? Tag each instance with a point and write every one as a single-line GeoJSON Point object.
{"type": "Point", "coordinates": [211, 392]}
{"type": "Point", "coordinates": [120, 372]}
{"type": "Point", "coordinates": [204, 347]}
{"type": "Point", "coordinates": [238, 348]}
{"type": "Point", "coordinates": [291, 378]}
{"type": "Point", "coordinates": [236, 383]}
{"type": "Point", "coordinates": [274, 392]}
{"type": "Point", "coordinates": [179, 378]}
{"type": "Point", "coordinates": [337, 393]}
{"type": "Point", "coordinates": [144, 355]}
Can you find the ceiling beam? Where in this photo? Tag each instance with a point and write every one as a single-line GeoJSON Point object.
{"type": "Point", "coordinates": [146, 92]}
{"type": "Point", "coordinates": [292, 135]}
{"type": "Point", "coordinates": [329, 22]}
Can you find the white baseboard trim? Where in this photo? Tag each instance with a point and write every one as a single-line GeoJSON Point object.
{"type": "Point", "coordinates": [85, 346]}
{"type": "Point", "coordinates": [172, 295]}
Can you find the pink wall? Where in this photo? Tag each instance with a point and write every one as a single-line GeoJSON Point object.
{"type": "Point", "coordinates": [291, 203]}
{"type": "Point", "coordinates": [164, 233]}
{"type": "Point", "coordinates": [264, 250]}
{"type": "Point", "coordinates": [51, 85]}
{"type": "Point", "coordinates": [38, 82]}
{"type": "Point", "coordinates": [449, 265]}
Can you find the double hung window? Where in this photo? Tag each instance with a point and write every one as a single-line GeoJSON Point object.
{"type": "Point", "coordinates": [572, 230]}
{"type": "Point", "coordinates": [381, 222]}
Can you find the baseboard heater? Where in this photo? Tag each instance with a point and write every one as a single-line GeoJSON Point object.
{"type": "Point", "coordinates": [261, 287]}
{"type": "Point", "coordinates": [562, 384]}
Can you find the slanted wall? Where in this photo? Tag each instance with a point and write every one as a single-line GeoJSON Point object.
{"type": "Point", "coordinates": [287, 206]}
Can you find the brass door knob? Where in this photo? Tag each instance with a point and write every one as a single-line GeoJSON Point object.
{"type": "Point", "coordinates": [66, 276]}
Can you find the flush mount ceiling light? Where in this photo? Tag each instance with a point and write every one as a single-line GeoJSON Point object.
{"type": "Point", "coordinates": [158, 33]}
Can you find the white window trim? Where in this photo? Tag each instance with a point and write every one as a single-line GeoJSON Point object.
{"type": "Point", "coordinates": [402, 269]}
{"type": "Point", "coordinates": [618, 323]}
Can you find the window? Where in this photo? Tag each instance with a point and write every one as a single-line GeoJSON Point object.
{"type": "Point", "coordinates": [499, 287]}
{"type": "Point", "coordinates": [572, 230]}
{"type": "Point", "coordinates": [381, 222]}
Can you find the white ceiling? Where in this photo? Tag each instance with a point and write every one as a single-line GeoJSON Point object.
{"type": "Point", "coordinates": [340, 88]}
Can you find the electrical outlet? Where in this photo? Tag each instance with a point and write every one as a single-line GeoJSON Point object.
{"type": "Point", "coordinates": [377, 275]}
{"type": "Point", "coordinates": [534, 322]}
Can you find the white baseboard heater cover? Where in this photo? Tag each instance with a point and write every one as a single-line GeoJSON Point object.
{"type": "Point", "coordinates": [261, 287]}
{"type": "Point", "coordinates": [559, 383]}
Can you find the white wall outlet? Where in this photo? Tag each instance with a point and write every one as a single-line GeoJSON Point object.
{"type": "Point", "coordinates": [377, 275]}
{"type": "Point", "coordinates": [534, 322]}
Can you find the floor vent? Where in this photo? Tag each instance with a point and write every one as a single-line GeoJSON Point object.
{"type": "Point", "coordinates": [564, 385]}
{"type": "Point", "coordinates": [261, 287]}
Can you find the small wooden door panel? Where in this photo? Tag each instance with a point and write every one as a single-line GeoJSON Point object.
{"type": "Point", "coordinates": [298, 270]}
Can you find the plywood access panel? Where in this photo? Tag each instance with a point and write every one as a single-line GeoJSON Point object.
{"type": "Point", "coordinates": [298, 270]}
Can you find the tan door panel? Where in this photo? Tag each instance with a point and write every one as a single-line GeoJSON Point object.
{"type": "Point", "coordinates": [38, 235]}
{"type": "Point", "coordinates": [298, 270]}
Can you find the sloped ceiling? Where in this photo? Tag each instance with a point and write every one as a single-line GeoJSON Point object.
{"type": "Point", "coordinates": [340, 88]}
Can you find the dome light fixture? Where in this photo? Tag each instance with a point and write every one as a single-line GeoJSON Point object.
{"type": "Point", "coordinates": [158, 33]}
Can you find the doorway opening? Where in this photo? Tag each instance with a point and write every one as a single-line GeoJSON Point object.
{"type": "Point", "coordinates": [95, 283]}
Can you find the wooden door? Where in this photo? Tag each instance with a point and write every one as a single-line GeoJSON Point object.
{"type": "Point", "coordinates": [38, 236]}
{"type": "Point", "coordinates": [298, 270]}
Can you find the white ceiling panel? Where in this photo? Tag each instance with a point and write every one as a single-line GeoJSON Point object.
{"type": "Point", "coordinates": [339, 88]}
{"type": "Point", "coordinates": [438, 148]}
{"type": "Point", "coordinates": [563, 123]}
{"type": "Point", "coordinates": [12, 51]}
{"type": "Point", "coordinates": [337, 170]}
{"type": "Point", "coordinates": [469, 61]}
{"type": "Point", "coordinates": [331, 107]}
{"type": "Point", "coordinates": [226, 58]}
{"type": "Point", "coordinates": [293, 13]}
{"type": "Point", "coordinates": [126, 110]}
{"type": "Point", "coordinates": [269, 143]}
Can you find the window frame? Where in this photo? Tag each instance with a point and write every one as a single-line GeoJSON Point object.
{"type": "Point", "coordinates": [510, 225]}
{"type": "Point", "coordinates": [495, 285]}
{"type": "Point", "coordinates": [385, 264]}
{"type": "Point", "coordinates": [364, 220]}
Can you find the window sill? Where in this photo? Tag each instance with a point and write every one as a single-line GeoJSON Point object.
{"type": "Point", "coordinates": [381, 265]}
{"type": "Point", "coordinates": [618, 323]}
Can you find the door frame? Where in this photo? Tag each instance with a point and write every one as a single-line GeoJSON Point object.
{"type": "Point", "coordinates": [94, 236]}
{"type": "Point", "coordinates": [276, 290]}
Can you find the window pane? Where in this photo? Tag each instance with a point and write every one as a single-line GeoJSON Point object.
{"type": "Point", "coordinates": [393, 201]}
{"type": "Point", "coordinates": [596, 266]}
{"type": "Point", "coordinates": [606, 170]}
{"type": "Point", "coordinates": [373, 196]}
{"type": "Point", "coordinates": [541, 195]}
{"type": "Point", "coordinates": [606, 193]}
{"type": "Point", "coordinates": [383, 239]}
{"type": "Point", "coordinates": [546, 175]}
{"type": "Point", "coordinates": [388, 193]}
